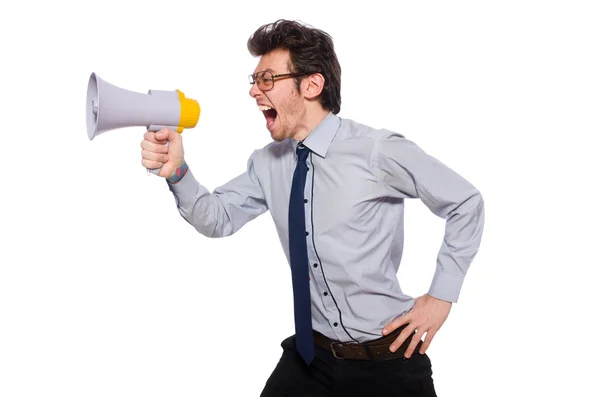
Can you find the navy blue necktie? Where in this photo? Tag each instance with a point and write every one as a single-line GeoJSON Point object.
{"type": "Point", "coordinates": [299, 260]}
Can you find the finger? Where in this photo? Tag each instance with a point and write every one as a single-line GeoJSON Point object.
{"type": "Point", "coordinates": [148, 155]}
{"type": "Point", "coordinates": [150, 136]}
{"type": "Point", "coordinates": [154, 147]}
{"type": "Point", "coordinates": [402, 337]}
{"type": "Point", "coordinates": [416, 338]}
{"type": "Point", "coordinates": [397, 323]}
{"type": "Point", "coordinates": [427, 342]}
{"type": "Point", "coordinates": [151, 165]}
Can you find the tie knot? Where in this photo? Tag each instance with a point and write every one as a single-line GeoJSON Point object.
{"type": "Point", "coordinates": [302, 152]}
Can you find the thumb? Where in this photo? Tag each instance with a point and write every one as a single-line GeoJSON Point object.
{"type": "Point", "coordinates": [165, 134]}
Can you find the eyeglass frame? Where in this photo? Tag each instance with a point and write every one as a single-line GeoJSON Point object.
{"type": "Point", "coordinates": [253, 80]}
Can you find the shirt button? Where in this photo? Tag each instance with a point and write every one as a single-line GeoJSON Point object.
{"type": "Point", "coordinates": [307, 233]}
{"type": "Point", "coordinates": [315, 265]}
{"type": "Point", "coordinates": [335, 324]}
{"type": "Point", "coordinates": [325, 293]}
{"type": "Point", "coordinates": [305, 200]}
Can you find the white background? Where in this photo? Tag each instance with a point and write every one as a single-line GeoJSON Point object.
{"type": "Point", "coordinates": [106, 291]}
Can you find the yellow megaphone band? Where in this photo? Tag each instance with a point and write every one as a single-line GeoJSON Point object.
{"type": "Point", "coordinates": [190, 112]}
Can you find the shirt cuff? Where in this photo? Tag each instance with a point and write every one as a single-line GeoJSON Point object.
{"type": "Point", "coordinates": [446, 286]}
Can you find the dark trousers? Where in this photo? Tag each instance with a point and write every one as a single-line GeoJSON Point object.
{"type": "Point", "coordinates": [332, 377]}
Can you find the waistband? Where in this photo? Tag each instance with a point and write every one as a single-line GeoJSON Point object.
{"type": "Point", "coordinates": [377, 349]}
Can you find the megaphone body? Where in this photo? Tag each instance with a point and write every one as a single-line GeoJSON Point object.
{"type": "Point", "coordinates": [109, 107]}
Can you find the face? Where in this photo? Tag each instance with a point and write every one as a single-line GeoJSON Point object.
{"type": "Point", "coordinates": [282, 105]}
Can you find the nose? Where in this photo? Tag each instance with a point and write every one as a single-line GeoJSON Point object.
{"type": "Point", "coordinates": [254, 90]}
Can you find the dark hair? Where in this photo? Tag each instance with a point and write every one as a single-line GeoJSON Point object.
{"type": "Point", "coordinates": [311, 51]}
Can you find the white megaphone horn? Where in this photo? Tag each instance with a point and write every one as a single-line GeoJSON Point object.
{"type": "Point", "coordinates": [109, 107]}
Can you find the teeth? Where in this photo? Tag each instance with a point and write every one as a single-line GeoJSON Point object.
{"type": "Point", "coordinates": [263, 108]}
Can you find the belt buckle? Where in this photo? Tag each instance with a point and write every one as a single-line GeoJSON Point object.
{"type": "Point", "coordinates": [333, 351]}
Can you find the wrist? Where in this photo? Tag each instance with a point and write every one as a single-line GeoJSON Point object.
{"type": "Point", "coordinates": [178, 174]}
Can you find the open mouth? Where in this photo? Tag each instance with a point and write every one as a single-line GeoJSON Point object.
{"type": "Point", "coordinates": [269, 113]}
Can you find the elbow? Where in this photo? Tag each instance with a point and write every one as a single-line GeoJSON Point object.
{"type": "Point", "coordinates": [477, 200]}
{"type": "Point", "coordinates": [474, 199]}
{"type": "Point", "coordinates": [207, 224]}
{"type": "Point", "coordinates": [471, 207]}
{"type": "Point", "coordinates": [473, 212]}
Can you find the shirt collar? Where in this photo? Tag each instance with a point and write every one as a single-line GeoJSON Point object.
{"type": "Point", "coordinates": [318, 140]}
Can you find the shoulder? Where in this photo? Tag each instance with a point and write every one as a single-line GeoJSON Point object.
{"type": "Point", "coordinates": [352, 129]}
{"type": "Point", "coordinates": [383, 144]}
{"type": "Point", "coordinates": [379, 140]}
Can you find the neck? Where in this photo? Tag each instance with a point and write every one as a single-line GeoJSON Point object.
{"type": "Point", "coordinates": [311, 118]}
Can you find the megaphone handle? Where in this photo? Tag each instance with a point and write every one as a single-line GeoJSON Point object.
{"type": "Point", "coordinates": [156, 128]}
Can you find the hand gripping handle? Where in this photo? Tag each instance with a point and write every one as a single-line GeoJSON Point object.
{"type": "Point", "coordinates": [156, 128]}
{"type": "Point", "coordinates": [186, 117]}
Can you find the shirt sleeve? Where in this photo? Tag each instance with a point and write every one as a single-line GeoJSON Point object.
{"type": "Point", "coordinates": [225, 210]}
{"type": "Point", "coordinates": [408, 172]}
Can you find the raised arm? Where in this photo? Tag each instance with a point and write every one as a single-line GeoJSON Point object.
{"type": "Point", "coordinates": [214, 214]}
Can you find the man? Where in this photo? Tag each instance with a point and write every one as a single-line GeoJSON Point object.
{"type": "Point", "coordinates": [335, 189]}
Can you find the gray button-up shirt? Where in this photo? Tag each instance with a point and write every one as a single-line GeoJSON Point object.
{"type": "Point", "coordinates": [357, 181]}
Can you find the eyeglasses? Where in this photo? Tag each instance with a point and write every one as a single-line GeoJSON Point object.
{"type": "Point", "coordinates": [266, 79]}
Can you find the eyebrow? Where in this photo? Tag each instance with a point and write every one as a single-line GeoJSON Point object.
{"type": "Point", "coordinates": [265, 70]}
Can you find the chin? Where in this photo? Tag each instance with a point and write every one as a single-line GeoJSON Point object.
{"type": "Point", "coordinates": [277, 138]}
{"type": "Point", "coordinates": [277, 135]}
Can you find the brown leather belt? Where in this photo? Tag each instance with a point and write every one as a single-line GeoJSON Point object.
{"type": "Point", "coordinates": [378, 349]}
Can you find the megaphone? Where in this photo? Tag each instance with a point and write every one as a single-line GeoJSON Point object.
{"type": "Point", "coordinates": [109, 107]}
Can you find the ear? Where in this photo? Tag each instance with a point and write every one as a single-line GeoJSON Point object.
{"type": "Point", "coordinates": [313, 85]}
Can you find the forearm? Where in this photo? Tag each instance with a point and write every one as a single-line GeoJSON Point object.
{"type": "Point", "coordinates": [225, 210]}
{"type": "Point", "coordinates": [199, 207]}
{"type": "Point", "coordinates": [178, 174]}
{"type": "Point", "coordinates": [462, 238]}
